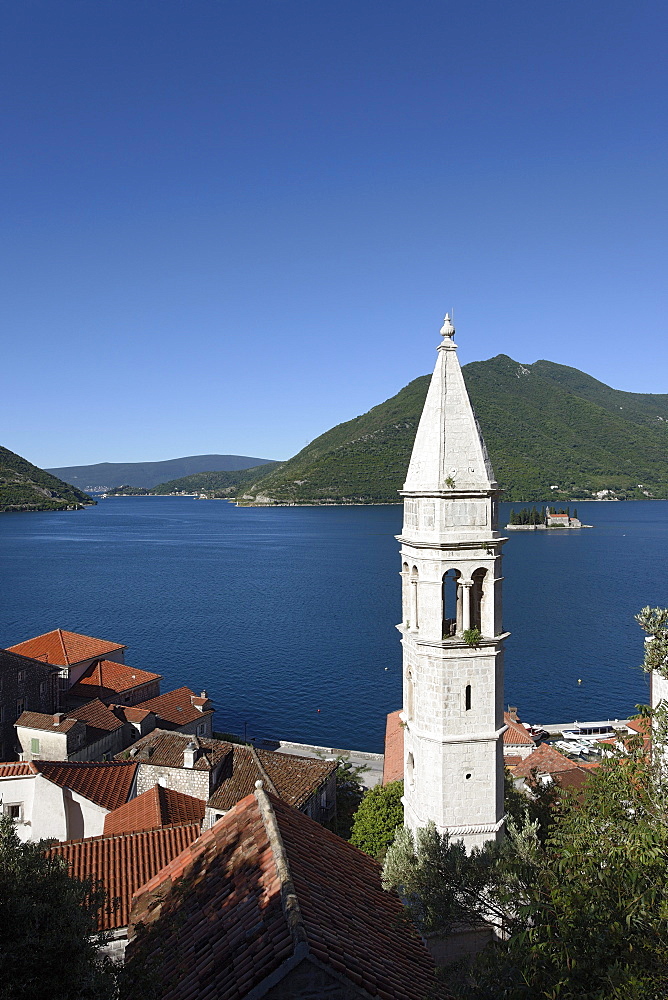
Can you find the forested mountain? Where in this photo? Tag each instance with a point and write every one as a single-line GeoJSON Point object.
{"type": "Point", "coordinates": [107, 475]}
{"type": "Point", "coordinates": [545, 425]}
{"type": "Point", "coordinates": [220, 484]}
{"type": "Point", "coordinates": [25, 487]}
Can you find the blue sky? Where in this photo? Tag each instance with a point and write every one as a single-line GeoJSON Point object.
{"type": "Point", "coordinates": [230, 224]}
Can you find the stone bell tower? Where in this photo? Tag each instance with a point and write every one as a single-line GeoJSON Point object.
{"type": "Point", "coordinates": [452, 632]}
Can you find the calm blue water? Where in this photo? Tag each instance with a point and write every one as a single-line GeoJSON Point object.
{"type": "Point", "coordinates": [282, 612]}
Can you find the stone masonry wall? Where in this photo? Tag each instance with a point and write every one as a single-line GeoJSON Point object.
{"type": "Point", "coordinates": [179, 779]}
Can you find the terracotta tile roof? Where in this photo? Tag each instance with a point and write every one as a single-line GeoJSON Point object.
{"type": "Point", "coordinates": [131, 713]}
{"type": "Point", "coordinates": [515, 734]}
{"type": "Point", "coordinates": [641, 726]}
{"type": "Point", "coordinates": [156, 807]}
{"type": "Point", "coordinates": [166, 749]}
{"type": "Point", "coordinates": [178, 707]}
{"type": "Point", "coordinates": [107, 784]}
{"type": "Point", "coordinates": [45, 722]}
{"type": "Point", "coordinates": [97, 715]}
{"type": "Point", "coordinates": [15, 769]}
{"type": "Point", "coordinates": [15, 661]}
{"type": "Point", "coordinates": [64, 648]}
{"type": "Point", "coordinates": [294, 779]}
{"type": "Point", "coordinates": [106, 679]}
{"type": "Point", "coordinates": [574, 778]}
{"type": "Point", "coordinates": [544, 760]}
{"type": "Point", "coordinates": [94, 718]}
{"type": "Point", "coordinates": [123, 863]}
{"type": "Point", "coordinates": [393, 761]}
{"type": "Point", "coordinates": [511, 760]}
{"type": "Point", "coordinates": [262, 861]}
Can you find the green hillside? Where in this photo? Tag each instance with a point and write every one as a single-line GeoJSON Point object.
{"type": "Point", "coordinates": [545, 425]}
{"type": "Point", "coordinates": [25, 487]}
{"type": "Point", "coordinates": [216, 483]}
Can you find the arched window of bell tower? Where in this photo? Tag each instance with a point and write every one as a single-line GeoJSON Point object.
{"type": "Point", "coordinates": [477, 595]}
{"type": "Point", "coordinates": [414, 616]}
{"type": "Point", "coordinates": [410, 693]}
{"type": "Point", "coordinates": [452, 601]}
{"type": "Point", "coordinates": [410, 770]}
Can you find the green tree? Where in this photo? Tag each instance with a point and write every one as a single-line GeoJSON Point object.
{"type": "Point", "coordinates": [654, 621]}
{"type": "Point", "coordinates": [349, 793]}
{"type": "Point", "coordinates": [376, 821]}
{"type": "Point", "coordinates": [580, 882]}
{"type": "Point", "coordinates": [46, 922]}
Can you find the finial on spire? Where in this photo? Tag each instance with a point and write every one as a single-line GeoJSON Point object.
{"type": "Point", "coordinates": [447, 330]}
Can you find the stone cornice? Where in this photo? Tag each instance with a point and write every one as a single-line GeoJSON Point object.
{"type": "Point", "coordinates": [474, 543]}
{"type": "Point", "coordinates": [488, 737]}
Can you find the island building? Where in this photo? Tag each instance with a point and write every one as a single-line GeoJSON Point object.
{"type": "Point", "coordinates": [452, 631]}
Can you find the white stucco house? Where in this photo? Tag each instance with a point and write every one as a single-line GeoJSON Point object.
{"type": "Point", "coordinates": [63, 800]}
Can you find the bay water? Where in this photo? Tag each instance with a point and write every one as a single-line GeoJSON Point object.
{"type": "Point", "coordinates": [286, 616]}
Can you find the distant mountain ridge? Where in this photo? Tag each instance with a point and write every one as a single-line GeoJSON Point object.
{"type": "Point", "coordinates": [24, 486]}
{"type": "Point", "coordinates": [546, 425]}
{"type": "Point", "coordinates": [107, 475]}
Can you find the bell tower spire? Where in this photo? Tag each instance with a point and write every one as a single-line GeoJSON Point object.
{"type": "Point", "coordinates": [452, 632]}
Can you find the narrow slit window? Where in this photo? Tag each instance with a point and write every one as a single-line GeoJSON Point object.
{"type": "Point", "coordinates": [467, 698]}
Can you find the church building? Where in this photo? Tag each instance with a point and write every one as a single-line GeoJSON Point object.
{"type": "Point", "coordinates": [452, 629]}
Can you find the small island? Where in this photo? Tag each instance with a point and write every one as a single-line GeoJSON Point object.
{"type": "Point", "coordinates": [544, 520]}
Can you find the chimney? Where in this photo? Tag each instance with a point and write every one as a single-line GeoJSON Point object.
{"type": "Point", "coordinates": [189, 755]}
{"type": "Point", "coordinates": [512, 712]}
{"type": "Point", "coordinates": [204, 694]}
{"type": "Point", "coordinates": [58, 718]}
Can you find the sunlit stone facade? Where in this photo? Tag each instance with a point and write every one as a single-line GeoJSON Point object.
{"type": "Point", "coordinates": [452, 629]}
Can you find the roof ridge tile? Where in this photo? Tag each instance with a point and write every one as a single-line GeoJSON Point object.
{"type": "Point", "coordinates": [289, 900]}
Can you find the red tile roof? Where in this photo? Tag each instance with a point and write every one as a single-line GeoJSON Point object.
{"type": "Point", "coordinates": [97, 715]}
{"type": "Point", "coordinates": [393, 761]}
{"type": "Point", "coordinates": [107, 784]}
{"type": "Point", "coordinates": [46, 722]}
{"type": "Point", "coordinates": [156, 807]}
{"type": "Point", "coordinates": [15, 769]}
{"type": "Point", "coordinates": [178, 707]}
{"type": "Point", "coordinates": [294, 779]}
{"type": "Point", "coordinates": [544, 760]}
{"type": "Point", "coordinates": [511, 761]}
{"type": "Point", "coordinates": [641, 726]}
{"type": "Point", "coordinates": [166, 749]}
{"type": "Point", "coordinates": [123, 863]}
{"type": "Point", "coordinates": [266, 883]}
{"type": "Point", "coordinates": [106, 679]}
{"type": "Point", "coordinates": [131, 713]}
{"type": "Point", "coordinates": [64, 648]}
{"type": "Point", "coordinates": [515, 734]}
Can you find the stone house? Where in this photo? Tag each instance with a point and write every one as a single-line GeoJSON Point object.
{"type": "Point", "coordinates": [192, 765]}
{"type": "Point", "coordinates": [26, 684]}
{"type": "Point", "coordinates": [305, 783]}
{"type": "Point", "coordinates": [547, 766]}
{"type": "Point", "coordinates": [123, 863]}
{"type": "Point", "coordinates": [63, 800]}
{"type": "Point", "coordinates": [70, 651]}
{"type": "Point", "coordinates": [115, 683]}
{"type": "Point", "coordinates": [554, 520]}
{"type": "Point", "coordinates": [182, 711]}
{"type": "Point", "coordinates": [221, 773]}
{"type": "Point", "coordinates": [516, 740]}
{"type": "Point", "coordinates": [307, 916]}
{"type": "Point", "coordinates": [94, 731]}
